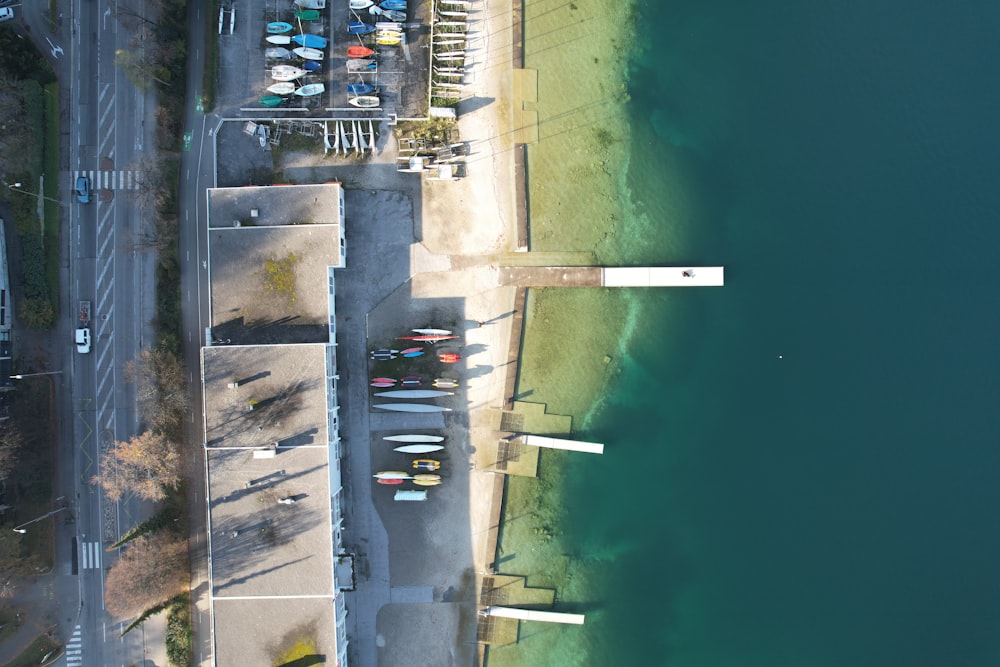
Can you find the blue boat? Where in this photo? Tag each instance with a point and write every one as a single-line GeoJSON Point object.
{"type": "Point", "coordinates": [394, 5]}
{"type": "Point", "coordinates": [312, 41]}
{"type": "Point", "coordinates": [278, 28]}
{"type": "Point", "coordinates": [359, 88]}
{"type": "Point", "coordinates": [311, 65]}
{"type": "Point", "coordinates": [359, 28]}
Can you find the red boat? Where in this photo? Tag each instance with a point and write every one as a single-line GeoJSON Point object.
{"type": "Point", "coordinates": [359, 52]}
{"type": "Point", "coordinates": [383, 382]}
{"type": "Point", "coordinates": [391, 480]}
{"type": "Point", "coordinates": [411, 350]}
{"type": "Point", "coordinates": [427, 339]}
{"type": "Point", "coordinates": [449, 357]}
{"type": "Point", "coordinates": [412, 381]}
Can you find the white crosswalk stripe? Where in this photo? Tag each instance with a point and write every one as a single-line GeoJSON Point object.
{"type": "Point", "coordinates": [109, 180]}
{"type": "Point", "coordinates": [74, 649]}
{"type": "Point", "coordinates": [90, 555]}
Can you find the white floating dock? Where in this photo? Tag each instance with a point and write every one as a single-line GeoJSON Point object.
{"type": "Point", "coordinates": [528, 615]}
{"type": "Point", "coordinates": [663, 276]}
{"type": "Point", "coordinates": [559, 443]}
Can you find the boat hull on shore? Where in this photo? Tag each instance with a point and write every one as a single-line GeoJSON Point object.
{"type": "Point", "coordinates": [414, 393]}
{"type": "Point", "coordinates": [413, 437]}
{"type": "Point", "coordinates": [418, 449]}
{"type": "Point", "coordinates": [411, 407]}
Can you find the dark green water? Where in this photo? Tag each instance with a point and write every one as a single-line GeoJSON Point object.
{"type": "Point", "coordinates": [837, 504]}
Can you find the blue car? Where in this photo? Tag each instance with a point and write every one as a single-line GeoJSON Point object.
{"type": "Point", "coordinates": [83, 190]}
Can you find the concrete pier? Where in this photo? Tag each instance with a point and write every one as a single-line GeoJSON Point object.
{"type": "Point", "coordinates": [598, 276]}
{"type": "Point", "coordinates": [530, 615]}
{"type": "Point", "coordinates": [560, 443]}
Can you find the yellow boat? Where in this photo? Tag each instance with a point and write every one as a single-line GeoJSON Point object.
{"type": "Point", "coordinates": [427, 480]}
{"type": "Point", "coordinates": [426, 464]}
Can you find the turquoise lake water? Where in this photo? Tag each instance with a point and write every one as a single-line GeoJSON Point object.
{"type": "Point", "coordinates": [803, 467]}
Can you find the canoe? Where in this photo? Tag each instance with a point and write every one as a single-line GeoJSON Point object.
{"type": "Point", "coordinates": [271, 100]}
{"type": "Point", "coordinates": [432, 332]}
{"type": "Point", "coordinates": [427, 480]}
{"type": "Point", "coordinates": [277, 53]}
{"type": "Point", "coordinates": [359, 28]}
{"type": "Point", "coordinates": [282, 88]}
{"type": "Point", "coordinates": [411, 381]}
{"type": "Point", "coordinates": [311, 89]}
{"type": "Point", "coordinates": [358, 5]}
{"type": "Point", "coordinates": [380, 385]}
{"type": "Point", "coordinates": [384, 355]}
{"type": "Point", "coordinates": [359, 88]}
{"type": "Point", "coordinates": [308, 53]}
{"type": "Point", "coordinates": [429, 338]}
{"type": "Point", "coordinates": [286, 73]}
{"type": "Point", "coordinates": [445, 383]}
{"type": "Point", "coordinates": [411, 496]}
{"type": "Point", "coordinates": [381, 379]}
{"type": "Point", "coordinates": [390, 481]}
{"type": "Point", "coordinates": [279, 39]}
{"type": "Point", "coordinates": [312, 41]}
{"type": "Point", "coordinates": [307, 15]}
{"type": "Point", "coordinates": [449, 357]}
{"type": "Point", "coordinates": [397, 5]}
{"type": "Point", "coordinates": [311, 65]}
{"type": "Point", "coordinates": [359, 52]}
{"type": "Point", "coordinates": [391, 474]}
{"type": "Point", "coordinates": [278, 28]}
{"type": "Point", "coordinates": [411, 407]}
{"type": "Point", "coordinates": [415, 353]}
{"type": "Point", "coordinates": [311, 4]}
{"type": "Point", "coordinates": [413, 393]}
{"type": "Point", "coordinates": [364, 101]}
{"type": "Point", "coordinates": [413, 437]}
{"type": "Point", "coordinates": [426, 464]}
{"type": "Point", "coordinates": [411, 350]}
{"type": "Point", "coordinates": [358, 65]}
{"type": "Point", "coordinates": [418, 449]}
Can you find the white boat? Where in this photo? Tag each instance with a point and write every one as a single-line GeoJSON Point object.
{"type": "Point", "coordinates": [456, 3]}
{"type": "Point", "coordinates": [389, 25]}
{"type": "Point", "coordinates": [414, 393]}
{"type": "Point", "coordinates": [282, 88]}
{"type": "Point", "coordinates": [457, 15]}
{"type": "Point", "coordinates": [364, 101]}
{"type": "Point", "coordinates": [311, 4]}
{"type": "Point", "coordinates": [371, 136]}
{"type": "Point", "coordinates": [335, 145]}
{"type": "Point", "coordinates": [448, 57]}
{"type": "Point", "coordinates": [451, 42]}
{"type": "Point", "coordinates": [361, 65]}
{"type": "Point", "coordinates": [358, 5]}
{"type": "Point", "coordinates": [451, 24]}
{"type": "Point", "coordinates": [308, 53]}
{"type": "Point", "coordinates": [449, 86]}
{"type": "Point", "coordinates": [343, 137]}
{"type": "Point", "coordinates": [311, 89]}
{"type": "Point", "coordinates": [280, 40]}
{"type": "Point", "coordinates": [287, 73]}
{"type": "Point", "coordinates": [277, 53]}
{"type": "Point", "coordinates": [392, 474]}
{"type": "Point", "coordinates": [418, 449]}
{"type": "Point", "coordinates": [449, 75]}
{"type": "Point", "coordinates": [413, 437]}
{"type": "Point", "coordinates": [411, 407]}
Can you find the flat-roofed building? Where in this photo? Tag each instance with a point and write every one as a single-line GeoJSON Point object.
{"type": "Point", "coordinates": [269, 388]}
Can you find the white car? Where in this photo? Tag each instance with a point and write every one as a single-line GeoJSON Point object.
{"type": "Point", "coordinates": [83, 341]}
{"type": "Point", "coordinates": [6, 14]}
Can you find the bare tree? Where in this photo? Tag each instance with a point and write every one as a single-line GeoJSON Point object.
{"type": "Point", "coordinates": [158, 375]}
{"type": "Point", "coordinates": [151, 571]}
{"type": "Point", "coordinates": [147, 465]}
{"type": "Point", "coordinates": [10, 444]}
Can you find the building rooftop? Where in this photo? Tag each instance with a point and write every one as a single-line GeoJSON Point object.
{"type": "Point", "coordinates": [317, 204]}
{"type": "Point", "coordinates": [256, 396]}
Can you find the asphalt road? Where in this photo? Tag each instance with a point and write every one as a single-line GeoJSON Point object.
{"type": "Point", "coordinates": [104, 117]}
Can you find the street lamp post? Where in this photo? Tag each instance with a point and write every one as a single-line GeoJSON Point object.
{"type": "Point", "coordinates": [21, 376]}
{"type": "Point", "coordinates": [18, 187]}
{"type": "Point", "coordinates": [20, 529]}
